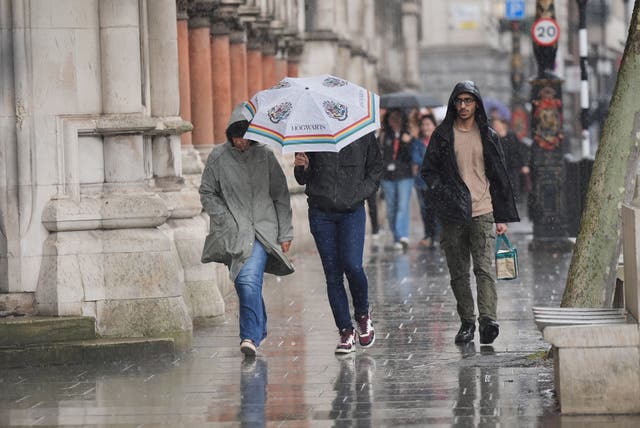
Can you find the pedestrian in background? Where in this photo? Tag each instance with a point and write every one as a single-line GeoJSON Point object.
{"type": "Point", "coordinates": [372, 203]}
{"type": "Point", "coordinates": [245, 193]}
{"type": "Point", "coordinates": [397, 179]}
{"type": "Point", "coordinates": [467, 181]}
{"type": "Point", "coordinates": [430, 222]}
{"type": "Point", "coordinates": [516, 155]}
{"type": "Point", "coordinates": [336, 185]}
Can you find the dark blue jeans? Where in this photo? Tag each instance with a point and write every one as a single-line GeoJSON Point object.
{"type": "Point", "coordinates": [340, 240]}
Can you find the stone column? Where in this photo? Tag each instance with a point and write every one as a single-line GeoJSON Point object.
{"type": "Point", "coordinates": [254, 70]}
{"type": "Point", "coordinates": [293, 68]}
{"type": "Point", "coordinates": [410, 15]}
{"type": "Point", "coordinates": [369, 36]}
{"type": "Point", "coordinates": [320, 55]}
{"type": "Point", "coordinates": [12, 62]}
{"type": "Point", "coordinates": [105, 255]}
{"type": "Point", "coordinates": [191, 162]}
{"type": "Point", "coordinates": [280, 66]}
{"type": "Point", "coordinates": [238, 51]}
{"type": "Point", "coordinates": [355, 65]}
{"type": "Point", "coordinates": [371, 73]}
{"type": "Point", "coordinates": [356, 72]}
{"type": "Point", "coordinates": [342, 29]}
{"type": "Point", "coordinates": [294, 52]}
{"type": "Point", "coordinates": [183, 67]}
{"type": "Point", "coordinates": [220, 78]}
{"type": "Point", "coordinates": [268, 66]}
{"type": "Point", "coordinates": [200, 78]}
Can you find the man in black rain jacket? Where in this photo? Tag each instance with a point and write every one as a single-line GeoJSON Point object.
{"type": "Point", "coordinates": [468, 184]}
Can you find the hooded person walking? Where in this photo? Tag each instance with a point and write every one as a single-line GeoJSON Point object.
{"type": "Point", "coordinates": [468, 184]}
{"type": "Point", "coordinates": [245, 193]}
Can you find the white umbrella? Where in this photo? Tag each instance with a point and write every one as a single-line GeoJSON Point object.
{"type": "Point", "coordinates": [312, 114]}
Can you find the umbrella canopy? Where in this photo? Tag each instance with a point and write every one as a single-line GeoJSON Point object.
{"type": "Point", "coordinates": [495, 107]}
{"type": "Point", "coordinates": [407, 99]}
{"type": "Point", "coordinates": [312, 114]}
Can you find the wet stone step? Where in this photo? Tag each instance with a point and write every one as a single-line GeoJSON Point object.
{"type": "Point", "coordinates": [85, 351]}
{"type": "Point", "coordinates": [21, 331]}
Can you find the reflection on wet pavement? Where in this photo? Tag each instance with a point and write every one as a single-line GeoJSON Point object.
{"type": "Point", "coordinates": [413, 375]}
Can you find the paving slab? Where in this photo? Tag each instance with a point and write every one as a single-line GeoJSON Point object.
{"type": "Point", "coordinates": [414, 375]}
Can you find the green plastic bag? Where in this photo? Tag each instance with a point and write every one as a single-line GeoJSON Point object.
{"type": "Point", "coordinates": [506, 260]}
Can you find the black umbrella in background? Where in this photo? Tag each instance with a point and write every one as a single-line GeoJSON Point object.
{"type": "Point", "coordinates": [407, 99]}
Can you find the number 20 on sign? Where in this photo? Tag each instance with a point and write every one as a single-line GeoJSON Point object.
{"type": "Point", "coordinates": [545, 32]}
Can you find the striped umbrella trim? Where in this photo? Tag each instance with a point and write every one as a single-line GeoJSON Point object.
{"type": "Point", "coordinates": [367, 120]}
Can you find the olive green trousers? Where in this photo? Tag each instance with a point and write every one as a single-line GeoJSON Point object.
{"type": "Point", "coordinates": [461, 244]}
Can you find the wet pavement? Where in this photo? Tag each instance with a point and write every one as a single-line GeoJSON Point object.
{"type": "Point", "coordinates": [414, 375]}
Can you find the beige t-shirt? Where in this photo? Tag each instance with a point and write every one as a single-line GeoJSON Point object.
{"type": "Point", "coordinates": [468, 149]}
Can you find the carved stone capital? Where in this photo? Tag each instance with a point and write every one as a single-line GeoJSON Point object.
{"type": "Point", "coordinates": [258, 36]}
{"type": "Point", "coordinates": [225, 19]}
{"type": "Point", "coordinates": [200, 12]}
{"type": "Point", "coordinates": [182, 9]}
{"type": "Point", "coordinates": [248, 14]}
{"type": "Point", "coordinates": [294, 48]}
{"type": "Point", "coordinates": [322, 35]}
{"type": "Point", "coordinates": [237, 37]}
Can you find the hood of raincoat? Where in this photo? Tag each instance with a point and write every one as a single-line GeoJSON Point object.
{"type": "Point", "coordinates": [470, 87]}
{"type": "Point", "coordinates": [239, 113]}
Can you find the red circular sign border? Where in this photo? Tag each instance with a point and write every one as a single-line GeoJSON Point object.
{"type": "Point", "coordinates": [533, 33]}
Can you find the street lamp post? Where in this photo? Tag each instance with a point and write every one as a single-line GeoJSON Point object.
{"type": "Point", "coordinates": [519, 115]}
{"type": "Point", "coordinates": [547, 200]}
{"type": "Point", "coordinates": [584, 82]}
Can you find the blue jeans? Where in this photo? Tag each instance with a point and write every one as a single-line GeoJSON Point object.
{"type": "Point", "coordinates": [340, 240]}
{"type": "Point", "coordinates": [397, 194]}
{"type": "Point", "coordinates": [253, 315]}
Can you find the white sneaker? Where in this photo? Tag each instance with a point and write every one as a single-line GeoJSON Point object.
{"type": "Point", "coordinates": [397, 246]}
{"type": "Point", "coordinates": [404, 243]}
{"type": "Point", "coordinates": [248, 348]}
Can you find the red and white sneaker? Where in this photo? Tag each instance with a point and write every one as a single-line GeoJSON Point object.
{"type": "Point", "coordinates": [347, 342]}
{"type": "Point", "coordinates": [366, 334]}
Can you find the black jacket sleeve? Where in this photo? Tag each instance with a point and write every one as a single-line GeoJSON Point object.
{"type": "Point", "coordinates": [373, 166]}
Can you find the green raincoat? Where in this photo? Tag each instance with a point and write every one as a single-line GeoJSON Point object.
{"type": "Point", "coordinates": [247, 198]}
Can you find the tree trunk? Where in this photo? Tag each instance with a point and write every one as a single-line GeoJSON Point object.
{"type": "Point", "coordinates": [593, 265]}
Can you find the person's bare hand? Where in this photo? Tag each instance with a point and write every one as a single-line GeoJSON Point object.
{"type": "Point", "coordinates": [525, 170]}
{"type": "Point", "coordinates": [406, 138]}
{"type": "Point", "coordinates": [285, 246]}
{"type": "Point", "coordinates": [501, 228]}
{"type": "Point", "coordinates": [301, 160]}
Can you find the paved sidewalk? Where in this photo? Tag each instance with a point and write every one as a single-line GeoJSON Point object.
{"type": "Point", "coordinates": [413, 376]}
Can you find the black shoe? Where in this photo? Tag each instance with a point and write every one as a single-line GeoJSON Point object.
{"type": "Point", "coordinates": [489, 330]}
{"type": "Point", "coordinates": [465, 334]}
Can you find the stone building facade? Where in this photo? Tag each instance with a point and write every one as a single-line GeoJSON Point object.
{"type": "Point", "coordinates": [470, 39]}
{"type": "Point", "coordinates": [108, 109]}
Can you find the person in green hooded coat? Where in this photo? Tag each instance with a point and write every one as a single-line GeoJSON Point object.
{"type": "Point", "coordinates": [245, 193]}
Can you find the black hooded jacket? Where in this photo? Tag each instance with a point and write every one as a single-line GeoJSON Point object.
{"type": "Point", "coordinates": [445, 188]}
{"type": "Point", "coordinates": [340, 182]}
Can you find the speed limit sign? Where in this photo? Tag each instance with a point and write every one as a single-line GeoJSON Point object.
{"type": "Point", "coordinates": [545, 32]}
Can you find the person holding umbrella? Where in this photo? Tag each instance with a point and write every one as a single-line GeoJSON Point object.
{"type": "Point", "coordinates": [245, 193]}
{"type": "Point", "coordinates": [337, 185]}
{"type": "Point", "coordinates": [329, 123]}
